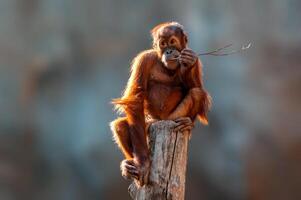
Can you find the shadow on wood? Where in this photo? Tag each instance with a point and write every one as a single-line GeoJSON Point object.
{"type": "Point", "coordinates": [168, 167]}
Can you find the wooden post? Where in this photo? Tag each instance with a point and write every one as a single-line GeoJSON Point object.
{"type": "Point", "coordinates": [168, 164]}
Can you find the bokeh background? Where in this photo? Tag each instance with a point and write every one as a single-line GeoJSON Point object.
{"type": "Point", "coordinates": [62, 61]}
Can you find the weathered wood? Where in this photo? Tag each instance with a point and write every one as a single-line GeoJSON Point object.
{"type": "Point", "coordinates": [168, 164]}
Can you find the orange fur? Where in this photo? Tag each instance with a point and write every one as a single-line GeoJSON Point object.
{"type": "Point", "coordinates": [155, 91]}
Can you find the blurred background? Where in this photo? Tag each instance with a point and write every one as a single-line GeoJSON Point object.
{"type": "Point", "coordinates": [62, 61]}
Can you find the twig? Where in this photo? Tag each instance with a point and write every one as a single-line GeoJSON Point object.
{"type": "Point", "coordinates": [217, 51]}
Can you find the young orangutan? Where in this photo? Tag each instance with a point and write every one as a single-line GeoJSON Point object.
{"type": "Point", "coordinates": [165, 84]}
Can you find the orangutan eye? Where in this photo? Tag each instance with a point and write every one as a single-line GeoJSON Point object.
{"type": "Point", "coordinates": [172, 41]}
{"type": "Point", "coordinates": [163, 44]}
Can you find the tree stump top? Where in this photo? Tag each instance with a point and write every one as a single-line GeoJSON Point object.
{"type": "Point", "coordinates": [168, 164]}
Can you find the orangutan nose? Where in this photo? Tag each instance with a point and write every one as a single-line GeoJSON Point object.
{"type": "Point", "coordinates": [169, 51]}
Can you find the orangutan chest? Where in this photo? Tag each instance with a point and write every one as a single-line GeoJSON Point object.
{"type": "Point", "coordinates": [162, 99]}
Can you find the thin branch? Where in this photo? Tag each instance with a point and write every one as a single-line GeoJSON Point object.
{"type": "Point", "coordinates": [217, 52]}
